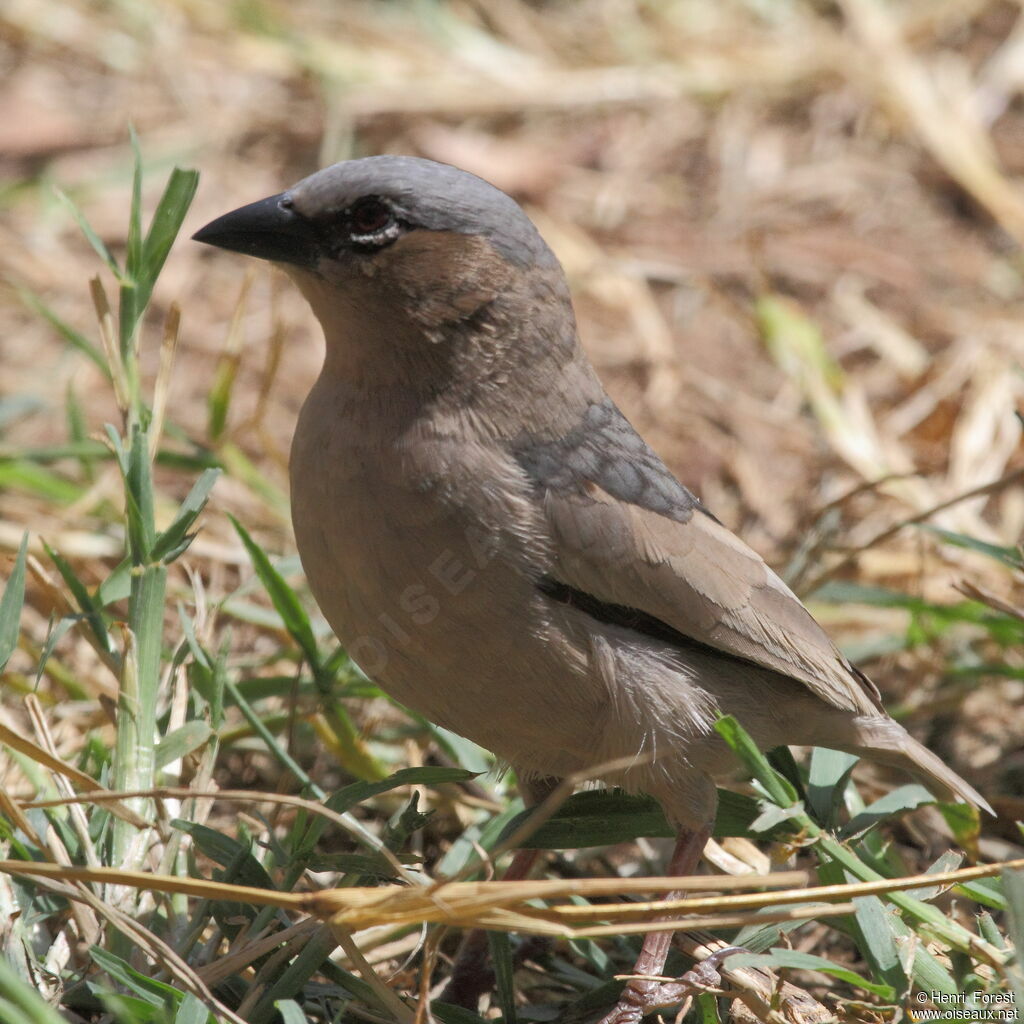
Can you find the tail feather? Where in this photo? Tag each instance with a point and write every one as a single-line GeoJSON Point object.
{"type": "Point", "coordinates": [887, 742]}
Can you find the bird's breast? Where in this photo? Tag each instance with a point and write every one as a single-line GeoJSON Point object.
{"type": "Point", "coordinates": [421, 548]}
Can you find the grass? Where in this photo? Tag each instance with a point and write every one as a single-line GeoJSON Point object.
{"type": "Point", "coordinates": [792, 233]}
{"type": "Point", "coordinates": [168, 699]}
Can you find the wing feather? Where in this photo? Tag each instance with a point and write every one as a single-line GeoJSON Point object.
{"type": "Point", "coordinates": [697, 577]}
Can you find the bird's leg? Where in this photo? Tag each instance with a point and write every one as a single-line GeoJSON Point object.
{"type": "Point", "coordinates": [471, 975]}
{"type": "Point", "coordinates": [639, 994]}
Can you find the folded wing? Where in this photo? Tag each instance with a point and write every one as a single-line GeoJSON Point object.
{"type": "Point", "coordinates": [625, 532]}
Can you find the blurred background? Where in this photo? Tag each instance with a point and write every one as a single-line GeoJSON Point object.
{"type": "Point", "coordinates": [792, 228]}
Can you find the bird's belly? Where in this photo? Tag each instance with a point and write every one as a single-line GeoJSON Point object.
{"type": "Point", "coordinates": [448, 624]}
{"type": "Point", "coordinates": [434, 595]}
{"type": "Point", "coordinates": [436, 608]}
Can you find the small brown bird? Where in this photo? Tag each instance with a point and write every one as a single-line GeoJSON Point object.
{"type": "Point", "coordinates": [493, 541]}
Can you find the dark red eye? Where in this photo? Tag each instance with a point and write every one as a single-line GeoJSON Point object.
{"type": "Point", "coordinates": [369, 216]}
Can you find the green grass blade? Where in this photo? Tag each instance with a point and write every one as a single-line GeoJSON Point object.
{"type": "Point", "coordinates": [777, 786]}
{"type": "Point", "coordinates": [1013, 887]}
{"type": "Point", "coordinates": [228, 853]}
{"type": "Point", "coordinates": [291, 1012]}
{"type": "Point", "coordinates": [707, 1006]}
{"type": "Point", "coordinates": [150, 990]}
{"type": "Point", "coordinates": [924, 914]}
{"type": "Point", "coordinates": [19, 1002]}
{"type": "Point", "coordinates": [13, 1014]}
{"type": "Point", "coordinates": [989, 893]}
{"type": "Point", "coordinates": [828, 776]}
{"type": "Point", "coordinates": [880, 947]}
{"type": "Point", "coordinates": [796, 960]}
{"type": "Point", "coordinates": [889, 807]}
{"type": "Point", "coordinates": [605, 817]}
{"type": "Point", "coordinates": [11, 604]}
{"type": "Point", "coordinates": [117, 447]}
{"type": "Point", "coordinates": [93, 239]}
{"type": "Point", "coordinates": [595, 818]}
{"type": "Point", "coordinates": [130, 306]}
{"type": "Point", "coordinates": [504, 971]}
{"type": "Point", "coordinates": [139, 495]}
{"type": "Point", "coordinates": [297, 974]}
{"type": "Point", "coordinates": [146, 255]}
{"type": "Point", "coordinates": [117, 586]}
{"type": "Point", "coordinates": [242, 468]}
{"type": "Point", "coordinates": [173, 539]}
{"type": "Point", "coordinates": [57, 631]}
{"type": "Point", "coordinates": [181, 742]}
{"type": "Point", "coordinates": [74, 338]}
{"type": "Point", "coordinates": [465, 850]}
{"type": "Point", "coordinates": [1007, 555]}
{"type": "Point", "coordinates": [219, 399]}
{"type": "Point", "coordinates": [430, 775]}
{"type": "Point", "coordinates": [273, 746]}
{"type": "Point", "coordinates": [164, 227]}
{"type": "Point", "coordinates": [78, 431]}
{"type": "Point", "coordinates": [989, 930]}
{"type": "Point", "coordinates": [86, 604]}
{"type": "Point", "coordinates": [192, 1011]}
{"type": "Point", "coordinates": [283, 598]}
{"type": "Point", "coordinates": [31, 478]}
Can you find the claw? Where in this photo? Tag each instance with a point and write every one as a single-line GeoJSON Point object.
{"type": "Point", "coordinates": [638, 997]}
{"type": "Point", "coordinates": [705, 974]}
{"type": "Point", "coordinates": [624, 1015]}
{"type": "Point", "coordinates": [635, 998]}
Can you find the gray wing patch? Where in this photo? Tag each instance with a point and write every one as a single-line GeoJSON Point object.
{"type": "Point", "coordinates": [605, 450]}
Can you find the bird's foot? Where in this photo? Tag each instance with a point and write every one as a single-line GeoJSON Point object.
{"type": "Point", "coordinates": [643, 995]}
{"type": "Point", "coordinates": [634, 1001]}
{"type": "Point", "coordinates": [705, 974]}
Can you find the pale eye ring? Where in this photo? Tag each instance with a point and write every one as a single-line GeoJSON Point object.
{"type": "Point", "coordinates": [369, 216]}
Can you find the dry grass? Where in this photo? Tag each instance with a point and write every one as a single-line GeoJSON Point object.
{"type": "Point", "coordinates": [792, 230]}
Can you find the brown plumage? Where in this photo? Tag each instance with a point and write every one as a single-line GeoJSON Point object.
{"type": "Point", "coordinates": [492, 539]}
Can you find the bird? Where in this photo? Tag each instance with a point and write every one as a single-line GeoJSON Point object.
{"type": "Point", "coordinates": [496, 545]}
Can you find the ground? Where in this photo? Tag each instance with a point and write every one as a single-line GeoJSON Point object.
{"type": "Point", "coordinates": [792, 231]}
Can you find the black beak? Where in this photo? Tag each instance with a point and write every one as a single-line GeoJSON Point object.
{"type": "Point", "coordinates": [269, 230]}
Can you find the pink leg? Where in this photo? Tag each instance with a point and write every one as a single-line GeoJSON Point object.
{"type": "Point", "coordinates": [471, 975]}
{"type": "Point", "coordinates": [638, 995]}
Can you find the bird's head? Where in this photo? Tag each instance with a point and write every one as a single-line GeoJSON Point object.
{"type": "Point", "coordinates": [403, 253]}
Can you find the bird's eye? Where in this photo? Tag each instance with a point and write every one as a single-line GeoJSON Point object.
{"type": "Point", "coordinates": [369, 216]}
